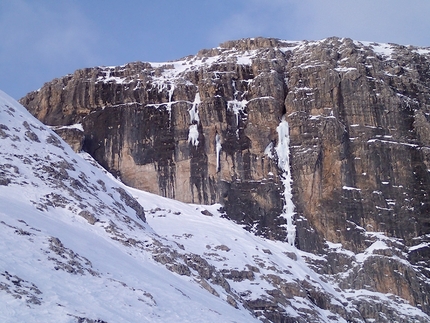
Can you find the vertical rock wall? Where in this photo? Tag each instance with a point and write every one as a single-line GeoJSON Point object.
{"type": "Point", "coordinates": [204, 130]}
{"type": "Point", "coordinates": [156, 127]}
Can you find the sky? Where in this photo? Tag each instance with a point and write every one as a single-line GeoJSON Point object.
{"type": "Point", "coordinates": [45, 39]}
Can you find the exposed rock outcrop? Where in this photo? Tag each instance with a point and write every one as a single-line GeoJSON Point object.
{"type": "Point", "coordinates": [205, 129]}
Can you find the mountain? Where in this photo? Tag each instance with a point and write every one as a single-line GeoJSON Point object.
{"type": "Point", "coordinates": [77, 246]}
{"type": "Point", "coordinates": [204, 129]}
{"type": "Point", "coordinates": [320, 148]}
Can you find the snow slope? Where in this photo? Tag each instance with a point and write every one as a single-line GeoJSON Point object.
{"type": "Point", "coordinates": [75, 247]}
{"type": "Point", "coordinates": [57, 267]}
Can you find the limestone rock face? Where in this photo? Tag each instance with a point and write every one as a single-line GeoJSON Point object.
{"type": "Point", "coordinates": [195, 130]}
{"type": "Point", "coordinates": [74, 136]}
{"type": "Point", "coordinates": [206, 129]}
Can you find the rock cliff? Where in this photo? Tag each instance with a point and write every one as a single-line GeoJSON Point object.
{"type": "Point", "coordinates": [325, 144]}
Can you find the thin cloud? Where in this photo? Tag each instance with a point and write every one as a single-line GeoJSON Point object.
{"type": "Point", "coordinates": [41, 40]}
{"type": "Point", "coordinates": [46, 31]}
{"type": "Point", "coordinates": [383, 20]}
{"type": "Point", "coordinates": [275, 18]}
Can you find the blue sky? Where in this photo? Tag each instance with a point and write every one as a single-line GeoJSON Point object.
{"type": "Point", "coordinates": [44, 39]}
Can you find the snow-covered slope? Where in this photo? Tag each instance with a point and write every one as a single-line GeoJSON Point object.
{"type": "Point", "coordinates": [58, 266]}
{"type": "Point", "coordinates": [75, 247]}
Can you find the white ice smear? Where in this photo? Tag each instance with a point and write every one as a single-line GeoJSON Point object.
{"type": "Point", "coordinates": [194, 112]}
{"type": "Point", "coordinates": [77, 126]}
{"type": "Point", "coordinates": [108, 78]}
{"type": "Point", "coordinates": [349, 188]}
{"type": "Point", "coordinates": [169, 86]}
{"type": "Point", "coordinates": [269, 150]}
{"type": "Point", "coordinates": [170, 91]}
{"type": "Point", "coordinates": [193, 135]}
{"type": "Point", "coordinates": [218, 147]}
{"type": "Point", "coordinates": [421, 245]}
{"type": "Point", "coordinates": [237, 107]}
{"type": "Point", "coordinates": [283, 152]}
{"type": "Point", "coordinates": [345, 69]}
{"type": "Point", "coordinates": [385, 50]}
{"type": "Point", "coordinates": [246, 58]}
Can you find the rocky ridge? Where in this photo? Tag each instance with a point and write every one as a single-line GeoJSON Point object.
{"type": "Point", "coordinates": [207, 129]}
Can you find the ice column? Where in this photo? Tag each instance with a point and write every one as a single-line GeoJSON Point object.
{"type": "Point", "coordinates": [194, 112]}
{"type": "Point", "coordinates": [170, 88]}
{"type": "Point", "coordinates": [283, 152]}
{"type": "Point", "coordinates": [193, 134]}
{"type": "Point", "coordinates": [169, 105]}
{"type": "Point", "coordinates": [218, 148]}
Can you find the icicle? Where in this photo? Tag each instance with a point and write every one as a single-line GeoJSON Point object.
{"type": "Point", "coordinates": [283, 153]}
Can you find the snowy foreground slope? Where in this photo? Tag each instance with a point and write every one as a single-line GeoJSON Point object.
{"type": "Point", "coordinates": [75, 247]}
{"type": "Point", "coordinates": [55, 265]}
